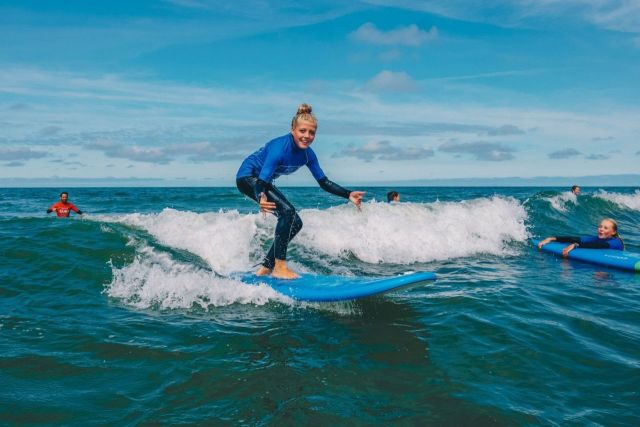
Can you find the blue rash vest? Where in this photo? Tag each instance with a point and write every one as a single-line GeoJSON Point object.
{"type": "Point", "coordinates": [613, 242]}
{"type": "Point", "coordinates": [280, 156]}
{"type": "Point", "coordinates": [593, 242]}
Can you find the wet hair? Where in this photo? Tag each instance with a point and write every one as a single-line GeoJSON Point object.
{"type": "Point", "coordinates": [392, 195]}
{"type": "Point", "coordinates": [64, 192]}
{"type": "Point", "coordinates": [304, 113]}
{"type": "Point", "coordinates": [574, 188]}
{"type": "Point", "coordinates": [615, 228]}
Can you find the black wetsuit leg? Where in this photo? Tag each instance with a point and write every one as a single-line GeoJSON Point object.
{"type": "Point", "coordinates": [289, 222]}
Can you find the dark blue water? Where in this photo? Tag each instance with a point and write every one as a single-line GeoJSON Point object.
{"type": "Point", "coordinates": [128, 315]}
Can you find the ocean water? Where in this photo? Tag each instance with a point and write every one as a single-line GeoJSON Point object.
{"type": "Point", "coordinates": [129, 316]}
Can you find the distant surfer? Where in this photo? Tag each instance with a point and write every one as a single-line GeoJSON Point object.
{"type": "Point", "coordinates": [393, 196]}
{"type": "Point", "coordinates": [283, 156]}
{"type": "Point", "coordinates": [575, 189]}
{"type": "Point", "coordinates": [64, 207]}
{"type": "Point", "coordinates": [607, 238]}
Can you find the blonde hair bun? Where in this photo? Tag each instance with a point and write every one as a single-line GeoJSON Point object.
{"type": "Point", "coordinates": [304, 109]}
{"type": "Point", "coordinates": [304, 113]}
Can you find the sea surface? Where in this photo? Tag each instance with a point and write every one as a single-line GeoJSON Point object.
{"type": "Point", "coordinates": [130, 315]}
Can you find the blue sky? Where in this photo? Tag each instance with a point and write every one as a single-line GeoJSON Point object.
{"type": "Point", "coordinates": [182, 90]}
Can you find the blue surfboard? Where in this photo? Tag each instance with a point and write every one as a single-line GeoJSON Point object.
{"type": "Point", "coordinates": [310, 287]}
{"type": "Point", "coordinates": [623, 260]}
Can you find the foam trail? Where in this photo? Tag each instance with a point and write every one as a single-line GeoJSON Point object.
{"type": "Point", "coordinates": [561, 201]}
{"type": "Point", "coordinates": [627, 201]}
{"type": "Point", "coordinates": [154, 280]}
{"type": "Point", "coordinates": [410, 232]}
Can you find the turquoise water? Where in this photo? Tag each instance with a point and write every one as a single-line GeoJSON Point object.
{"type": "Point", "coordinates": [129, 315]}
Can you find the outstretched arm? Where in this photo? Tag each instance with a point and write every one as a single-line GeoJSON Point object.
{"type": "Point", "coordinates": [75, 209]}
{"type": "Point", "coordinates": [329, 186]}
{"type": "Point", "coordinates": [545, 241]}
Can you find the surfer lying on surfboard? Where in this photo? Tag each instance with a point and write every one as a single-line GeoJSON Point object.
{"type": "Point", "coordinates": [607, 238]}
{"type": "Point", "coordinates": [283, 156]}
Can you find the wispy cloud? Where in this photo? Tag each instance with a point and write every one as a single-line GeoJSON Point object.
{"type": "Point", "coordinates": [385, 150]}
{"type": "Point", "coordinates": [49, 131]}
{"type": "Point", "coordinates": [392, 81]}
{"type": "Point", "coordinates": [190, 4]}
{"type": "Point", "coordinates": [602, 138]}
{"type": "Point", "coordinates": [150, 26]}
{"type": "Point", "coordinates": [564, 154]}
{"type": "Point", "coordinates": [481, 150]}
{"type": "Point", "coordinates": [135, 153]}
{"type": "Point", "coordinates": [14, 164]}
{"type": "Point", "coordinates": [597, 157]}
{"type": "Point", "coordinates": [411, 35]}
{"type": "Point", "coordinates": [21, 154]}
{"type": "Point", "coordinates": [199, 152]}
{"type": "Point", "coordinates": [505, 130]}
{"type": "Point", "coordinates": [619, 15]}
{"type": "Point", "coordinates": [18, 107]}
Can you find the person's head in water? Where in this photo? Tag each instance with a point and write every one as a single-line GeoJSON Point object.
{"type": "Point", "coordinates": [575, 190]}
{"type": "Point", "coordinates": [393, 196]}
{"type": "Point", "coordinates": [303, 127]}
{"type": "Point", "coordinates": [64, 196]}
{"type": "Point", "coordinates": [607, 229]}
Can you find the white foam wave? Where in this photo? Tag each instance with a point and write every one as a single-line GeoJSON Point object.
{"type": "Point", "coordinates": [154, 280]}
{"type": "Point", "coordinates": [561, 201]}
{"type": "Point", "coordinates": [400, 233]}
{"type": "Point", "coordinates": [410, 232]}
{"type": "Point", "coordinates": [628, 201]}
{"type": "Point", "coordinates": [225, 240]}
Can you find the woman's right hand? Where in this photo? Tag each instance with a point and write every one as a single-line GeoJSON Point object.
{"type": "Point", "coordinates": [265, 205]}
{"type": "Point", "coordinates": [355, 197]}
{"type": "Point", "coordinates": [545, 241]}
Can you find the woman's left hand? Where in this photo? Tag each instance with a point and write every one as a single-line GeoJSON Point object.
{"type": "Point", "coordinates": [355, 197]}
{"type": "Point", "coordinates": [566, 250]}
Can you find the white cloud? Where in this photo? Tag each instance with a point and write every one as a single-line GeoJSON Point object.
{"type": "Point", "coordinates": [20, 154]}
{"type": "Point", "coordinates": [481, 150]}
{"type": "Point", "coordinates": [564, 154]}
{"type": "Point", "coordinates": [618, 15]}
{"type": "Point", "coordinates": [410, 35]}
{"type": "Point", "coordinates": [392, 81]}
{"type": "Point", "coordinates": [385, 150]}
{"type": "Point", "coordinates": [193, 122]}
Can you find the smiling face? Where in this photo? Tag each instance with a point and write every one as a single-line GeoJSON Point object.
{"type": "Point", "coordinates": [64, 197]}
{"type": "Point", "coordinates": [607, 229]}
{"type": "Point", "coordinates": [304, 132]}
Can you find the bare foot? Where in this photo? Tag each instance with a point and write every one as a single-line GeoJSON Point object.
{"type": "Point", "coordinates": [281, 271]}
{"type": "Point", "coordinates": [284, 274]}
{"type": "Point", "coordinates": [263, 271]}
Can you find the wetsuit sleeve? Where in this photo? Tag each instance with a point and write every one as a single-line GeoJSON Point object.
{"type": "Point", "coordinates": [314, 166]}
{"type": "Point", "coordinates": [595, 243]}
{"type": "Point", "coordinates": [333, 188]}
{"type": "Point", "coordinates": [567, 239]}
{"type": "Point", "coordinates": [260, 187]}
{"type": "Point", "coordinates": [75, 209]}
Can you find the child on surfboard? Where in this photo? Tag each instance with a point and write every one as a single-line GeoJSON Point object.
{"type": "Point", "coordinates": [607, 238]}
{"type": "Point", "coordinates": [283, 156]}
